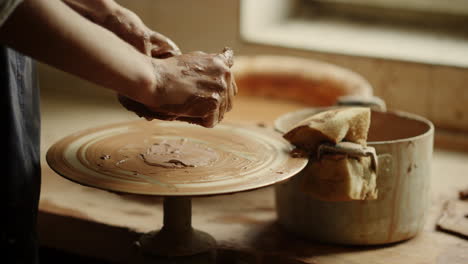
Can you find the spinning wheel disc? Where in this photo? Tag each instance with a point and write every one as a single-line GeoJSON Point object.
{"type": "Point", "coordinates": [174, 159]}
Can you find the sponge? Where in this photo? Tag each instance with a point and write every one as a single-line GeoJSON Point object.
{"type": "Point", "coordinates": [342, 124]}
{"type": "Point", "coordinates": [341, 167]}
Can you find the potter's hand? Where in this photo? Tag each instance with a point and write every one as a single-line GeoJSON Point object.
{"type": "Point", "coordinates": [129, 27]}
{"type": "Point", "coordinates": [126, 25]}
{"type": "Point", "coordinates": [194, 87]}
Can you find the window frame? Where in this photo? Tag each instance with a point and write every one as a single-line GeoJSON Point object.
{"type": "Point", "coordinates": [283, 23]}
{"type": "Point", "coordinates": [447, 7]}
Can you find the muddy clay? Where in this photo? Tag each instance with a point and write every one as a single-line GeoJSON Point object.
{"type": "Point", "coordinates": [196, 87]}
{"type": "Point", "coordinates": [179, 154]}
{"type": "Point", "coordinates": [164, 158]}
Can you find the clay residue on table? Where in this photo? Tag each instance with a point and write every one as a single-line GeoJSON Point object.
{"type": "Point", "coordinates": [178, 154]}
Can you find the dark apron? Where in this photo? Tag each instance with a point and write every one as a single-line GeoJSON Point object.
{"type": "Point", "coordinates": [22, 178]}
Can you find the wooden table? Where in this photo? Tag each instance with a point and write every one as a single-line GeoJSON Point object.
{"type": "Point", "coordinates": [101, 224]}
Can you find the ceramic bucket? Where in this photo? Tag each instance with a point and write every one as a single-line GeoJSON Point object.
{"type": "Point", "coordinates": [404, 144]}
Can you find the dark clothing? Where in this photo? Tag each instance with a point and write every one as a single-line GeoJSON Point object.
{"type": "Point", "coordinates": [21, 180]}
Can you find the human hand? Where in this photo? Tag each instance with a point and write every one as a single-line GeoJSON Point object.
{"type": "Point", "coordinates": [129, 27]}
{"type": "Point", "coordinates": [194, 87]}
{"type": "Point", "coordinates": [126, 25]}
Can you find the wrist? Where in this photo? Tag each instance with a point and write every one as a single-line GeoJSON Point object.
{"type": "Point", "coordinates": [158, 70]}
{"type": "Point", "coordinates": [145, 86]}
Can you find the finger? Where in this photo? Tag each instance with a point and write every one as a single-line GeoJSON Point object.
{"type": "Point", "coordinates": [221, 85]}
{"type": "Point", "coordinates": [221, 108]}
{"type": "Point", "coordinates": [207, 85]}
{"type": "Point", "coordinates": [162, 54]}
{"type": "Point", "coordinates": [138, 108]}
{"type": "Point", "coordinates": [164, 51]}
{"type": "Point", "coordinates": [147, 50]}
{"type": "Point", "coordinates": [146, 45]}
{"type": "Point", "coordinates": [229, 98]}
{"type": "Point", "coordinates": [227, 56]}
{"type": "Point", "coordinates": [136, 34]}
{"type": "Point", "coordinates": [158, 38]}
{"type": "Point", "coordinates": [234, 85]}
{"type": "Point", "coordinates": [209, 120]}
{"type": "Point", "coordinates": [233, 92]}
{"type": "Point", "coordinates": [217, 92]}
{"type": "Point", "coordinates": [162, 45]}
{"type": "Point", "coordinates": [229, 92]}
{"type": "Point", "coordinates": [136, 39]}
{"type": "Point", "coordinates": [210, 115]}
{"type": "Point", "coordinates": [227, 95]}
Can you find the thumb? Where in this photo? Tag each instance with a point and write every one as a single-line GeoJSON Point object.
{"type": "Point", "coordinates": [162, 46]}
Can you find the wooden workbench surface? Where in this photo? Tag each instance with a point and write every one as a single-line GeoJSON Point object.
{"type": "Point", "coordinates": [102, 224]}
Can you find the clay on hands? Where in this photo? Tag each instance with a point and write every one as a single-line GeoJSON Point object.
{"type": "Point", "coordinates": [195, 87]}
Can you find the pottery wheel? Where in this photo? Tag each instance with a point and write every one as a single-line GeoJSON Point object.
{"type": "Point", "coordinates": [177, 161]}
{"type": "Point", "coordinates": [228, 158]}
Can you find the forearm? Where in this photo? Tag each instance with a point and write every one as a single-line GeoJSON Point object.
{"type": "Point", "coordinates": [94, 10]}
{"type": "Point", "coordinates": [49, 31]}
